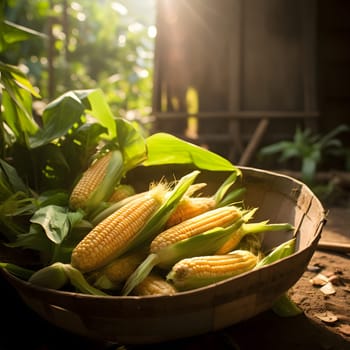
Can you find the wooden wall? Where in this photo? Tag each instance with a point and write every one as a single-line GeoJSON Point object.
{"type": "Point", "coordinates": [260, 67]}
{"type": "Point", "coordinates": [334, 64]}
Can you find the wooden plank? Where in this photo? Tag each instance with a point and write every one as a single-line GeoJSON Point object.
{"type": "Point", "coordinates": [273, 62]}
{"type": "Point", "coordinates": [254, 142]}
{"type": "Point", "coordinates": [309, 56]}
{"type": "Point", "coordinates": [240, 114]}
{"type": "Point", "coordinates": [309, 59]}
{"type": "Point", "coordinates": [334, 246]}
{"type": "Point", "coordinates": [235, 72]}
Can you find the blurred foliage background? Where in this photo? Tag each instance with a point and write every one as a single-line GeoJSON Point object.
{"type": "Point", "coordinates": [88, 44]}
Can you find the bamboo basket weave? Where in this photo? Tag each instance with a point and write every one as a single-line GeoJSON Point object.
{"type": "Point", "coordinates": [141, 320]}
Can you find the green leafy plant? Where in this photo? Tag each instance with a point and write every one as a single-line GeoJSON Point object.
{"type": "Point", "coordinates": [309, 148]}
{"type": "Point", "coordinates": [43, 155]}
{"type": "Point", "coordinates": [107, 44]}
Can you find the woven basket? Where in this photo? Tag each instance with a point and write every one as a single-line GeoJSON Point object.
{"type": "Point", "coordinates": [141, 320]}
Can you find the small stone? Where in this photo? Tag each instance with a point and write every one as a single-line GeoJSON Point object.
{"type": "Point", "coordinates": [319, 280]}
{"type": "Point", "coordinates": [328, 289]}
{"type": "Point", "coordinates": [327, 317]}
{"type": "Point", "coordinates": [314, 268]}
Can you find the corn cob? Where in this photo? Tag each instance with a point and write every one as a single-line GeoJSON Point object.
{"type": "Point", "coordinates": [111, 237]}
{"type": "Point", "coordinates": [121, 192]}
{"type": "Point", "coordinates": [97, 182]}
{"type": "Point", "coordinates": [89, 181]}
{"type": "Point", "coordinates": [186, 206]}
{"type": "Point", "coordinates": [220, 217]}
{"type": "Point", "coordinates": [154, 285]}
{"type": "Point", "coordinates": [190, 206]}
{"type": "Point", "coordinates": [56, 275]}
{"type": "Point", "coordinates": [201, 271]}
{"type": "Point", "coordinates": [113, 275]}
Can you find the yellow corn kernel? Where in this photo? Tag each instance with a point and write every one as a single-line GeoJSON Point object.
{"type": "Point", "coordinates": [89, 181]}
{"type": "Point", "coordinates": [154, 285]}
{"type": "Point", "coordinates": [220, 217]}
{"type": "Point", "coordinates": [190, 207]}
{"type": "Point", "coordinates": [201, 271]}
{"type": "Point", "coordinates": [111, 237]}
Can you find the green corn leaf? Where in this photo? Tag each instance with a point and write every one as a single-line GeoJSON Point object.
{"type": "Point", "coordinates": [225, 186]}
{"type": "Point", "coordinates": [232, 197]}
{"type": "Point", "coordinates": [78, 280]}
{"type": "Point", "coordinates": [324, 141]}
{"type": "Point", "coordinates": [35, 239]}
{"type": "Point", "coordinates": [12, 33]}
{"type": "Point", "coordinates": [54, 221]}
{"type": "Point", "coordinates": [58, 117]}
{"type": "Point", "coordinates": [282, 251]}
{"type": "Point", "coordinates": [249, 229]}
{"type": "Point", "coordinates": [131, 143]}
{"type": "Point", "coordinates": [98, 215]}
{"type": "Point", "coordinates": [97, 106]}
{"type": "Point", "coordinates": [12, 211]}
{"type": "Point", "coordinates": [284, 306]}
{"type": "Point", "coordinates": [61, 114]}
{"type": "Point", "coordinates": [256, 227]}
{"type": "Point", "coordinates": [79, 229]}
{"type": "Point", "coordinates": [164, 148]}
{"type": "Point", "coordinates": [16, 270]}
{"type": "Point", "coordinates": [57, 275]}
{"type": "Point", "coordinates": [143, 270]}
{"type": "Point", "coordinates": [52, 276]}
{"type": "Point", "coordinates": [17, 113]}
{"type": "Point", "coordinates": [54, 197]}
{"type": "Point", "coordinates": [13, 181]}
{"type": "Point", "coordinates": [277, 147]}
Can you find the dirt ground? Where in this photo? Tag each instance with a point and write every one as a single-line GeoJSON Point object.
{"type": "Point", "coordinates": [328, 302]}
{"type": "Point", "coordinates": [323, 325]}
